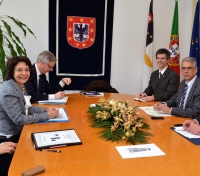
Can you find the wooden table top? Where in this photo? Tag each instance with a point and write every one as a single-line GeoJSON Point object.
{"type": "Point", "coordinates": [99, 157]}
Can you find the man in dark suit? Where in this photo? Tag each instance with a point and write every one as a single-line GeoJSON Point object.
{"type": "Point", "coordinates": [186, 102]}
{"type": "Point", "coordinates": [163, 82]}
{"type": "Point", "coordinates": [38, 87]}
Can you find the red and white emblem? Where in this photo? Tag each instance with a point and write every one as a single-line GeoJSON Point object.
{"type": "Point", "coordinates": [80, 31]}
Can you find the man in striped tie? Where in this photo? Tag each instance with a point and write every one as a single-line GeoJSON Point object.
{"type": "Point", "coordinates": [186, 102]}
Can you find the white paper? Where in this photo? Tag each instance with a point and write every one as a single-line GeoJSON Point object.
{"type": "Point", "coordinates": [137, 151]}
{"type": "Point", "coordinates": [187, 134]}
{"type": "Point", "coordinates": [139, 99]}
{"type": "Point", "coordinates": [62, 116]}
{"type": "Point", "coordinates": [60, 101]}
{"type": "Point", "coordinates": [72, 91]}
{"type": "Point", "coordinates": [152, 112]}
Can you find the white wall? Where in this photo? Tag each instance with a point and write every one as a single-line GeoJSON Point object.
{"type": "Point", "coordinates": [129, 33]}
{"type": "Point", "coordinates": [129, 37]}
{"type": "Point", "coordinates": [33, 13]}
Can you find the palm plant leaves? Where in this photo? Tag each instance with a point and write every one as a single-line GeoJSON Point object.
{"type": "Point", "coordinates": [10, 44]}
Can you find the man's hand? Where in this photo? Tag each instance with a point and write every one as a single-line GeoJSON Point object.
{"type": "Point", "coordinates": [59, 95]}
{"type": "Point", "coordinates": [7, 147]}
{"type": "Point", "coordinates": [194, 129]}
{"type": "Point", "coordinates": [67, 81]}
{"type": "Point", "coordinates": [52, 112]}
{"type": "Point", "coordinates": [148, 98]}
{"type": "Point", "coordinates": [188, 125]}
{"type": "Point", "coordinates": [162, 107]}
{"type": "Point", "coordinates": [141, 95]}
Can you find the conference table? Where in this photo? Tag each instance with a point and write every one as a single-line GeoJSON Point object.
{"type": "Point", "coordinates": [99, 157]}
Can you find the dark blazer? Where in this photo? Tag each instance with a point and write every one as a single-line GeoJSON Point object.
{"type": "Point", "coordinates": [31, 88]}
{"type": "Point", "coordinates": [164, 88]}
{"type": "Point", "coordinates": [192, 106]}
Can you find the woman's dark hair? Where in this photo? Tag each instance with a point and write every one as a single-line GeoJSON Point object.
{"type": "Point", "coordinates": [12, 62]}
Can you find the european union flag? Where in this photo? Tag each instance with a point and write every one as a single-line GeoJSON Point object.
{"type": "Point", "coordinates": [194, 47]}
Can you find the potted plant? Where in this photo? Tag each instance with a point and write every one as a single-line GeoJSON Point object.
{"type": "Point", "coordinates": [10, 44]}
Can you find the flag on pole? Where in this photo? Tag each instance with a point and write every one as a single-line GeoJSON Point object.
{"type": "Point", "coordinates": [148, 66]}
{"type": "Point", "coordinates": [194, 46]}
{"type": "Point", "coordinates": [174, 43]}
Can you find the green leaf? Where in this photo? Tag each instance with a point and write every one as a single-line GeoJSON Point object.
{"type": "Point", "coordinates": [22, 25]}
{"type": "Point", "coordinates": [10, 46]}
{"type": "Point", "coordinates": [18, 40]}
{"type": "Point", "coordinates": [19, 24]}
{"type": "Point", "coordinates": [8, 28]}
{"type": "Point", "coordinates": [28, 29]}
{"type": "Point", "coordinates": [2, 56]}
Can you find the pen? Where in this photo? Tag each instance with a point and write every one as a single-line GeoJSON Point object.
{"type": "Point", "coordinates": [57, 151]}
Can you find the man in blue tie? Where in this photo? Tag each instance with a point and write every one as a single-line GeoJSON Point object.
{"type": "Point", "coordinates": [186, 102]}
{"type": "Point", "coordinates": [163, 83]}
{"type": "Point", "coordinates": [38, 87]}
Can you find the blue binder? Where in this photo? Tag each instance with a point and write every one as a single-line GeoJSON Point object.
{"type": "Point", "coordinates": [195, 141]}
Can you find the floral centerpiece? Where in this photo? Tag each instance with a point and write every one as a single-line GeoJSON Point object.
{"type": "Point", "coordinates": [120, 121]}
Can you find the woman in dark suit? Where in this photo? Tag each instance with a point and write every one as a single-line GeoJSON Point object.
{"type": "Point", "coordinates": [15, 107]}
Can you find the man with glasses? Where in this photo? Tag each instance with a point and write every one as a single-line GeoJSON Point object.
{"type": "Point", "coordinates": [38, 87]}
{"type": "Point", "coordinates": [186, 102]}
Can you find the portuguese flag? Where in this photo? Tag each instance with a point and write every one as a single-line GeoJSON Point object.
{"type": "Point", "coordinates": [174, 62]}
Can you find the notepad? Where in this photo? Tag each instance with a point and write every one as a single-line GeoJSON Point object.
{"type": "Point", "coordinates": [62, 116]}
{"type": "Point", "coordinates": [60, 101]}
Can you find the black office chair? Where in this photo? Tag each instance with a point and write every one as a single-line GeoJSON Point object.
{"type": "Point", "coordinates": [100, 86]}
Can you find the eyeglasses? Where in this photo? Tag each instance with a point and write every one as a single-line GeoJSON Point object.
{"type": "Point", "coordinates": [187, 68]}
{"type": "Point", "coordinates": [50, 66]}
{"type": "Point", "coordinates": [21, 70]}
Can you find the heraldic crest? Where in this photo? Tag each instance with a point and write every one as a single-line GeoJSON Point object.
{"type": "Point", "coordinates": [80, 31]}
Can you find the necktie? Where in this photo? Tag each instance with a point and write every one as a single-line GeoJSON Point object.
{"type": "Point", "coordinates": [40, 84]}
{"type": "Point", "coordinates": [183, 96]}
{"type": "Point", "coordinates": [160, 75]}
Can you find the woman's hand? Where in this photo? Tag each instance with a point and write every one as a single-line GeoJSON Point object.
{"type": "Point", "coordinates": [7, 147]}
{"type": "Point", "coordinates": [52, 112]}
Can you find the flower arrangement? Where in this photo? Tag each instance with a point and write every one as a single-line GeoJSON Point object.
{"type": "Point", "coordinates": [120, 121]}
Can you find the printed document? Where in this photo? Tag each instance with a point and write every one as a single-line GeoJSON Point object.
{"type": "Point", "coordinates": [152, 112]}
{"type": "Point", "coordinates": [137, 151]}
{"type": "Point", "coordinates": [187, 134]}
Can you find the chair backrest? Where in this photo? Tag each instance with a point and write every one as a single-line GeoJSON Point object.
{"type": "Point", "coordinates": [100, 86]}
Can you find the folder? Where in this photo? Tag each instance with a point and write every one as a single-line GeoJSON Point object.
{"type": "Point", "coordinates": [195, 141]}
{"type": "Point", "coordinates": [57, 138]}
{"type": "Point", "coordinates": [60, 101]}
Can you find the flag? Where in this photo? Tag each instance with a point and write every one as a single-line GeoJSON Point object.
{"type": "Point", "coordinates": [80, 35]}
{"type": "Point", "coordinates": [194, 46]}
{"type": "Point", "coordinates": [148, 66]}
{"type": "Point", "coordinates": [174, 43]}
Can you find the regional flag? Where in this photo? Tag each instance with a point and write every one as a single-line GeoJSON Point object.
{"type": "Point", "coordinates": [174, 43]}
{"type": "Point", "coordinates": [148, 66]}
{"type": "Point", "coordinates": [80, 35]}
{"type": "Point", "coordinates": [194, 46]}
